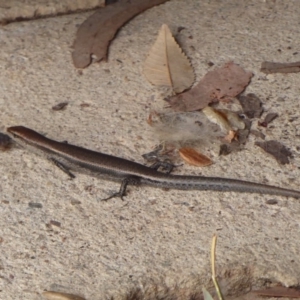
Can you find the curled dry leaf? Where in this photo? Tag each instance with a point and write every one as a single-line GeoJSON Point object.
{"type": "Point", "coordinates": [61, 296]}
{"type": "Point", "coordinates": [194, 158]}
{"type": "Point", "coordinates": [219, 84]}
{"type": "Point", "coordinates": [96, 32]}
{"type": "Point", "coordinates": [167, 65]}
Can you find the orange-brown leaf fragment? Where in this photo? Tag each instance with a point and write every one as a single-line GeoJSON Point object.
{"type": "Point", "coordinates": [219, 84]}
{"type": "Point", "coordinates": [96, 32]}
{"type": "Point", "coordinates": [194, 158]}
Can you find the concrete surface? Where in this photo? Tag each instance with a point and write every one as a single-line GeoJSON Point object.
{"type": "Point", "coordinates": [100, 249]}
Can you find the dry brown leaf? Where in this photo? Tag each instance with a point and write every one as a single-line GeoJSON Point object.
{"type": "Point", "coordinates": [279, 291]}
{"type": "Point", "coordinates": [194, 158]}
{"type": "Point", "coordinates": [280, 152]}
{"type": "Point", "coordinates": [219, 84]}
{"type": "Point", "coordinates": [251, 104]}
{"type": "Point", "coordinates": [167, 65]}
{"type": "Point", "coordinates": [268, 67]}
{"type": "Point", "coordinates": [96, 32]}
{"type": "Point", "coordinates": [61, 296]}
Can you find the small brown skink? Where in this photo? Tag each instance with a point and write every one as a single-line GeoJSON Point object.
{"type": "Point", "coordinates": [73, 158]}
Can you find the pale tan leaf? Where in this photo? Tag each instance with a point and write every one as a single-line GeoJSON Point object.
{"type": "Point", "coordinates": [61, 296]}
{"type": "Point", "coordinates": [167, 65]}
{"type": "Point", "coordinates": [193, 157]}
{"type": "Point", "coordinates": [206, 294]}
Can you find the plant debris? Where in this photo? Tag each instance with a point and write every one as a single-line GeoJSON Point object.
{"type": "Point", "coordinates": [240, 139]}
{"type": "Point", "coordinates": [206, 294]}
{"type": "Point", "coordinates": [218, 85]}
{"type": "Point", "coordinates": [226, 149]}
{"type": "Point", "coordinates": [61, 296]}
{"type": "Point", "coordinates": [167, 65]}
{"type": "Point", "coordinates": [278, 291]}
{"type": "Point", "coordinates": [276, 149]}
{"type": "Point", "coordinates": [251, 104]}
{"type": "Point", "coordinates": [194, 158]}
{"type": "Point", "coordinates": [268, 119]}
{"type": "Point", "coordinates": [158, 292]}
{"type": "Point", "coordinates": [35, 205]}
{"type": "Point", "coordinates": [96, 32]}
{"type": "Point", "coordinates": [234, 142]}
{"type": "Point", "coordinates": [60, 106]}
{"type": "Point", "coordinates": [272, 201]}
{"type": "Point", "coordinates": [268, 67]}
